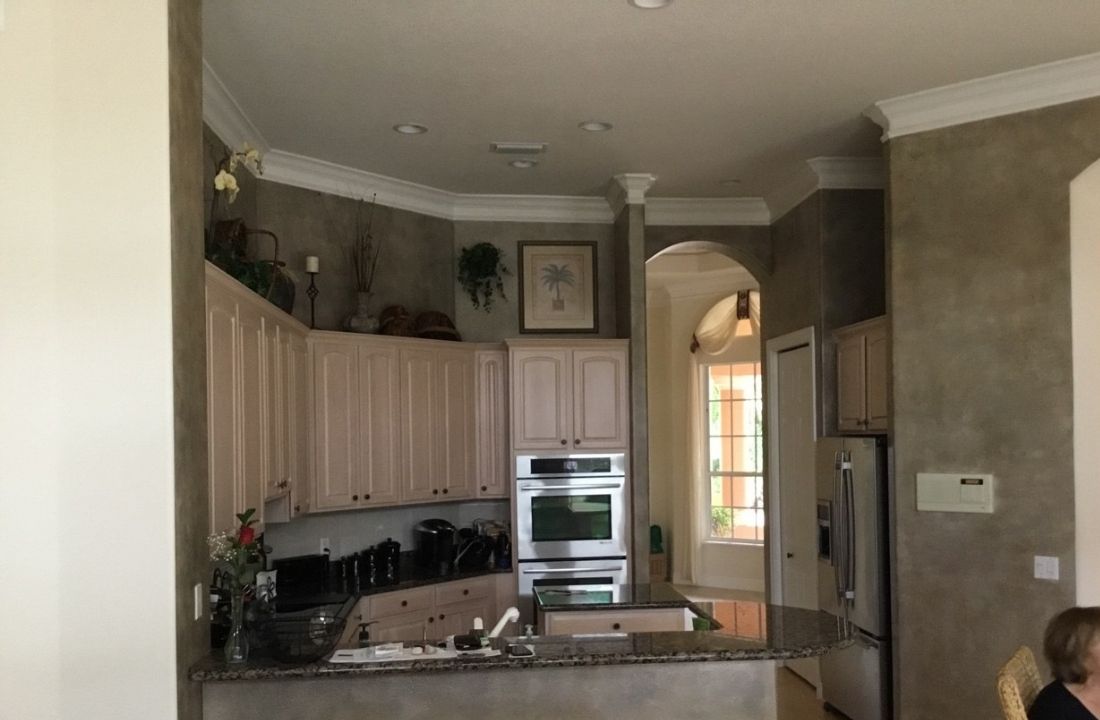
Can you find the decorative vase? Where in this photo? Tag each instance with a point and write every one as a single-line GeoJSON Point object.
{"type": "Point", "coordinates": [236, 645]}
{"type": "Point", "coordinates": [361, 320]}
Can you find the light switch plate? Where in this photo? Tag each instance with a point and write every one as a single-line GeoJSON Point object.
{"type": "Point", "coordinates": [1046, 567]}
{"type": "Point", "coordinates": [325, 547]}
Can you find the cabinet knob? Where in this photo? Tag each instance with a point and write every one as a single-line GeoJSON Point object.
{"type": "Point", "coordinates": [484, 488]}
{"type": "Point", "coordinates": [431, 619]}
{"type": "Point", "coordinates": [297, 508]}
{"type": "Point", "coordinates": [577, 442]}
{"type": "Point", "coordinates": [616, 626]}
{"type": "Point", "coordinates": [435, 492]}
{"type": "Point", "coordinates": [441, 616]}
{"type": "Point", "coordinates": [790, 555]}
{"type": "Point", "coordinates": [466, 591]}
{"type": "Point", "coordinates": [367, 496]}
{"type": "Point", "coordinates": [354, 497]}
{"type": "Point", "coordinates": [404, 603]}
{"type": "Point", "coordinates": [444, 491]}
{"type": "Point", "coordinates": [563, 441]}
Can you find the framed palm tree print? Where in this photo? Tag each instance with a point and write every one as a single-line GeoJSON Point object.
{"type": "Point", "coordinates": [557, 287]}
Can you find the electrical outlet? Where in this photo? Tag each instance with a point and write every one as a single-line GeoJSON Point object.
{"type": "Point", "coordinates": [200, 601]}
{"type": "Point", "coordinates": [1046, 568]}
{"type": "Point", "coordinates": [325, 547]}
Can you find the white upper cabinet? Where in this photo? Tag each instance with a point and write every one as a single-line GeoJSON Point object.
{"type": "Point", "coordinates": [298, 425]}
{"type": "Point", "coordinates": [420, 460]}
{"type": "Point", "coordinates": [492, 476]}
{"type": "Point", "coordinates": [379, 432]}
{"type": "Point", "coordinates": [570, 396]}
{"type": "Point", "coordinates": [454, 419]}
{"type": "Point", "coordinates": [862, 359]}
{"type": "Point", "coordinates": [256, 401]}
{"type": "Point", "coordinates": [335, 425]}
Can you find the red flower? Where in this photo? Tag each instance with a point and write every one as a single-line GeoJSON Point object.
{"type": "Point", "coordinates": [246, 536]}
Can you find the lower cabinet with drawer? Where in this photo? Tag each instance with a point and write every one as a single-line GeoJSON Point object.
{"type": "Point", "coordinates": [425, 613]}
{"type": "Point", "coordinates": [586, 622]}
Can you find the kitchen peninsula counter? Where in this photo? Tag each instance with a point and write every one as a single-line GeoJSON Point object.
{"type": "Point", "coordinates": [727, 672]}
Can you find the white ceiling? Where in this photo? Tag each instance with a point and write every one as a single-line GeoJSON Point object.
{"type": "Point", "coordinates": [699, 92]}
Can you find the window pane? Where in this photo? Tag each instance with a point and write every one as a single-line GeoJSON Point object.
{"type": "Point", "coordinates": [745, 525]}
{"type": "Point", "coordinates": [744, 454]}
{"type": "Point", "coordinates": [720, 454]}
{"type": "Point", "coordinates": [743, 492]}
{"type": "Point", "coordinates": [716, 490]}
{"type": "Point", "coordinates": [720, 522]}
{"type": "Point", "coordinates": [715, 416]}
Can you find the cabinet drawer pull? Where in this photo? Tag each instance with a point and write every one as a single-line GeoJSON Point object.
{"type": "Point", "coordinates": [466, 591]}
{"type": "Point", "coordinates": [404, 603]}
{"type": "Point", "coordinates": [616, 626]}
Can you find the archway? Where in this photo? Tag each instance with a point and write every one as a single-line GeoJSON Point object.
{"type": "Point", "coordinates": [683, 283]}
{"type": "Point", "coordinates": [1085, 299]}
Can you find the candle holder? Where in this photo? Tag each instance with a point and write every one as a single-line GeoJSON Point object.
{"type": "Point", "coordinates": [312, 293]}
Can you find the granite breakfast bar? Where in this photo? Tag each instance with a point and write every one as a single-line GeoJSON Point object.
{"type": "Point", "coordinates": [727, 671]}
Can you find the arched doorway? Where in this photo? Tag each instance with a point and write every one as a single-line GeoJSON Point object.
{"type": "Point", "coordinates": [704, 542]}
{"type": "Point", "coordinates": [1085, 299]}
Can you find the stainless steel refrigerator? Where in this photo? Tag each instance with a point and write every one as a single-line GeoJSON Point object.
{"type": "Point", "coordinates": [854, 574]}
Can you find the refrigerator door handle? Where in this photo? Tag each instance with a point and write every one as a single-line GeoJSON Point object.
{"type": "Point", "coordinates": [850, 529]}
{"type": "Point", "coordinates": [837, 559]}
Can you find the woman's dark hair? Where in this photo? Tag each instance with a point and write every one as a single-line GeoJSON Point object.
{"type": "Point", "coordinates": [1069, 636]}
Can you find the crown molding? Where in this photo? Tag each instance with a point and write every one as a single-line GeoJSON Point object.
{"type": "Point", "coordinates": [849, 173]}
{"type": "Point", "coordinates": [1003, 94]}
{"type": "Point", "coordinates": [532, 208]}
{"type": "Point", "coordinates": [226, 118]}
{"type": "Point", "coordinates": [801, 184]}
{"type": "Point", "coordinates": [628, 189]}
{"type": "Point", "coordinates": [707, 211]}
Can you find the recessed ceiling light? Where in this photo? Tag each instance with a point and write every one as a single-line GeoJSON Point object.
{"type": "Point", "coordinates": [410, 129]}
{"type": "Point", "coordinates": [649, 4]}
{"type": "Point", "coordinates": [524, 163]}
{"type": "Point", "coordinates": [595, 126]}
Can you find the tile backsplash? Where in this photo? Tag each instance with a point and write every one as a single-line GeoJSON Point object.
{"type": "Point", "coordinates": [354, 530]}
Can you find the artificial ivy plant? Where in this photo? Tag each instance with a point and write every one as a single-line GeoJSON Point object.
{"type": "Point", "coordinates": [480, 271]}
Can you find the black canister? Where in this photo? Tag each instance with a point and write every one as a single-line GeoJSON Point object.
{"type": "Point", "coordinates": [337, 574]}
{"type": "Point", "coordinates": [388, 557]}
{"type": "Point", "coordinates": [368, 569]}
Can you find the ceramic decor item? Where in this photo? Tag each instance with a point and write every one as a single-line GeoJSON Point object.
{"type": "Point", "coordinates": [362, 321]}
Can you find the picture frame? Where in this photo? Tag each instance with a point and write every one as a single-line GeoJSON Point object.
{"type": "Point", "coordinates": [558, 287]}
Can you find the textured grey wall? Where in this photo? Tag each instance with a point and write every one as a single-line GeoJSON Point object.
{"type": "Point", "coordinates": [503, 322]}
{"type": "Point", "coordinates": [980, 307]}
{"type": "Point", "coordinates": [415, 268]}
{"type": "Point", "coordinates": [188, 340]}
{"type": "Point", "coordinates": [630, 257]}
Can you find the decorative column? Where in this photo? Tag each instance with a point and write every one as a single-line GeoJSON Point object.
{"type": "Point", "coordinates": [626, 196]}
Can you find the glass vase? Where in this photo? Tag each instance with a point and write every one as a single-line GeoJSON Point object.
{"type": "Point", "coordinates": [361, 320]}
{"type": "Point", "coordinates": [236, 645]}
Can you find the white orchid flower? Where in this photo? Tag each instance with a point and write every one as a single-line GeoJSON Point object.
{"type": "Point", "coordinates": [221, 178]}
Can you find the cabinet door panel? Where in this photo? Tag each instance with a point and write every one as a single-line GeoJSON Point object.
{"type": "Point", "coordinates": [850, 378]}
{"type": "Point", "coordinates": [455, 423]}
{"type": "Point", "coordinates": [492, 424]}
{"type": "Point", "coordinates": [298, 426]}
{"type": "Point", "coordinates": [409, 628]}
{"type": "Point", "coordinates": [458, 618]}
{"type": "Point", "coordinates": [222, 367]}
{"type": "Point", "coordinates": [277, 386]}
{"type": "Point", "coordinates": [419, 454]}
{"type": "Point", "coordinates": [378, 410]}
{"type": "Point", "coordinates": [336, 425]}
{"type": "Point", "coordinates": [600, 405]}
{"type": "Point", "coordinates": [253, 409]}
{"type": "Point", "coordinates": [877, 378]}
{"type": "Point", "coordinates": [541, 384]}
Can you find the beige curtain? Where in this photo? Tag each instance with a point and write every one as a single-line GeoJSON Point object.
{"type": "Point", "coordinates": [689, 501]}
{"type": "Point", "coordinates": [721, 325]}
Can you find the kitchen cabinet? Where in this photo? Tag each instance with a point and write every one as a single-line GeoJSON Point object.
{"type": "Point", "coordinates": [491, 424]}
{"type": "Point", "coordinates": [862, 361]}
{"type": "Point", "coordinates": [584, 622]}
{"type": "Point", "coordinates": [454, 418]}
{"type": "Point", "coordinates": [256, 396]}
{"type": "Point", "coordinates": [336, 425]}
{"type": "Point", "coordinates": [570, 395]}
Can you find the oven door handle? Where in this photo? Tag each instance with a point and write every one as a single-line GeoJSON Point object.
{"type": "Point", "coordinates": [572, 570]}
{"type": "Point", "coordinates": [602, 486]}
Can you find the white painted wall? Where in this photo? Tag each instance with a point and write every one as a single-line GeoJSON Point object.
{"type": "Point", "coordinates": [1084, 271]}
{"type": "Point", "coordinates": [671, 320]}
{"type": "Point", "coordinates": [86, 472]}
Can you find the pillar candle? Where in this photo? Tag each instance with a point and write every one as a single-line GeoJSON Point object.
{"type": "Point", "coordinates": [313, 264]}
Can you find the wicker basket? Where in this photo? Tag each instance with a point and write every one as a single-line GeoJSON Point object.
{"type": "Point", "coordinates": [436, 326]}
{"type": "Point", "coordinates": [395, 320]}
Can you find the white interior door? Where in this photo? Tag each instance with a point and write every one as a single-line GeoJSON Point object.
{"type": "Point", "coordinates": [794, 424]}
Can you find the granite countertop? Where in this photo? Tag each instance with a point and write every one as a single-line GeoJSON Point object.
{"type": "Point", "coordinates": [750, 631]}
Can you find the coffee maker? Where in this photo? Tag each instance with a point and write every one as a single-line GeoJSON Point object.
{"type": "Point", "coordinates": [435, 545]}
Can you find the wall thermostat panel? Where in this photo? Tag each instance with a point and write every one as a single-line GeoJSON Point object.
{"type": "Point", "coordinates": [955, 492]}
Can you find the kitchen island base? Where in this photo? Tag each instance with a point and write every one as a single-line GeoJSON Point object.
{"type": "Point", "coordinates": [734, 690]}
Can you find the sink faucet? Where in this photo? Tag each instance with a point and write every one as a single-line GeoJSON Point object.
{"type": "Point", "coordinates": [510, 615]}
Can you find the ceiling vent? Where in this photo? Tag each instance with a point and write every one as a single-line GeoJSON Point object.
{"type": "Point", "coordinates": [517, 148]}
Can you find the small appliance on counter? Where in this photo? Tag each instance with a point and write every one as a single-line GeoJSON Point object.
{"type": "Point", "coordinates": [474, 552]}
{"type": "Point", "coordinates": [302, 575]}
{"type": "Point", "coordinates": [436, 545]}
